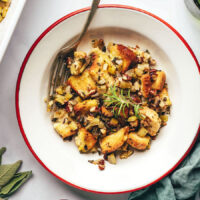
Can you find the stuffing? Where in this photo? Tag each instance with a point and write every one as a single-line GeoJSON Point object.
{"type": "Point", "coordinates": [123, 54]}
{"type": "Point", "coordinates": [79, 63]}
{"type": "Point", "coordinates": [146, 85]}
{"type": "Point", "coordinates": [106, 112]}
{"type": "Point", "coordinates": [112, 159]}
{"type": "Point", "coordinates": [113, 122]}
{"type": "Point", "coordinates": [112, 142]}
{"type": "Point", "coordinates": [84, 140]}
{"type": "Point", "coordinates": [138, 142]}
{"type": "Point", "coordinates": [158, 84]}
{"type": "Point", "coordinates": [164, 99]}
{"type": "Point", "coordinates": [83, 84]}
{"type": "Point", "coordinates": [115, 100]}
{"type": "Point", "coordinates": [152, 120]}
{"type": "Point", "coordinates": [93, 121]}
{"type": "Point", "coordinates": [66, 130]}
{"type": "Point", "coordinates": [99, 69]}
{"type": "Point", "coordinates": [86, 106]}
{"type": "Point", "coordinates": [123, 84]}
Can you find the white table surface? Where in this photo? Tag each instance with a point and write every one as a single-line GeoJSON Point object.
{"type": "Point", "coordinates": [37, 16]}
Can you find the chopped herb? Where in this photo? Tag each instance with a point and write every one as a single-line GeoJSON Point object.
{"type": "Point", "coordinates": [119, 102]}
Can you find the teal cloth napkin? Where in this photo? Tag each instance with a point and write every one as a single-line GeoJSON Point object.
{"type": "Point", "coordinates": [181, 184]}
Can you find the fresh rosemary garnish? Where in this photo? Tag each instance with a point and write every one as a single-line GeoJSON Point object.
{"type": "Point", "coordinates": [120, 102]}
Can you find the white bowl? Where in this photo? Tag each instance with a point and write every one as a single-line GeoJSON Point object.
{"type": "Point", "coordinates": [7, 26]}
{"type": "Point", "coordinates": [130, 26]}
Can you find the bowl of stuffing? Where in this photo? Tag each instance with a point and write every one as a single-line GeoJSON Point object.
{"type": "Point", "coordinates": [10, 11]}
{"type": "Point", "coordinates": [126, 114]}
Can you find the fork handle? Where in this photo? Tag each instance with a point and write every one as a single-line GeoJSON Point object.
{"type": "Point", "coordinates": [94, 7]}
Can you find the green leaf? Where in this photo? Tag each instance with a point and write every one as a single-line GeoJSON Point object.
{"type": "Point", "coordinates": [117, 98]}
{"type": "Point", "coordinates": [15, 183]}
{"type": "Point", "coordinates": [3, 199]}
{"type": "Point", "coordinates": [137, 111]}
{"type": "Point", "coordinates": [2, 150]}
{"type": "Point", "coordinates": [8, 171]}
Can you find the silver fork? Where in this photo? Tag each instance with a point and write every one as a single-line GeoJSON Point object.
{"type": "Point", "coordinates": [58, 73]}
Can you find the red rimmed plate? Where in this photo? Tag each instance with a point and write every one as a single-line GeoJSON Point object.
{"type": "Point", "coordinates": [130, 26]}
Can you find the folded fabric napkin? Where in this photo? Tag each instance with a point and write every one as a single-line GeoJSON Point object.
{"type": "Point", "coordinates": [181, 184]}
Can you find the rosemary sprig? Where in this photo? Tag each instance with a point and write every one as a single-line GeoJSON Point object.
{"type": "Point", "coordinates": [120, 102]}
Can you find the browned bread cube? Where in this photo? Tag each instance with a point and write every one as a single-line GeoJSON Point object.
{"type": "Point", "coordinates": [123, 52]}
{"type": "Point", "coordinates": [86, 105]}
{"type": "Point", "coordinates": [152, 119]}
{"type": "Point", "coordinates": [158, 84]}
{"type": "Point", "coordinates": [137, 142]}
{"type": "Point", "coordinates": [84, 85]}
{"type": "Point", "coordinates": [66, 130]}
{"type": "Point", "coordinates": [112, 142]}
{"type": "Point", "coordinates": [84, 140]}
{"type": "Point", "coordinates": [146, 85]}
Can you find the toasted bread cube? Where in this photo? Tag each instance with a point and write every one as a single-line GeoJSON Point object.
{"type": "Point", "coordinates": [86, 105]}
{"type": "Point", "coordinates": [146, 85]}
{"type": "Point", "coordinates": [85, 140]}
{"type": "Point", "coordinates": [153, 120]}
{"type": "Point", "coordinates": [137, 142]}
{"type": "Point", "coordinates": [158, 84]}
{"type": "Point", "coordinates": [95, 68]}
{"type": "Point", "coordinates": [112, 142]}
{"type": "Point", "coordinates": [106, 112]}
{"type": "Point", "coordinates": [66, 130]}
{"type": "Point", "coordinates": [99, 72]}
{"type": "Point", "coordinates": [164, 98]}
{"type": "Point", "coordinates": [79, 63]}
{"type": "Point", "coordinates": [83, 85]}
{"type": "Point", "coordinates": [123, 52]}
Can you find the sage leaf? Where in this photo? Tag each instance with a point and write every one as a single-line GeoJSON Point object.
{"type": "Point", "coordinates": [2, 150]}
{"type": "Point", "coordinates": [7, 172]}
{"type": "Point", "coordinates": [15, 183]}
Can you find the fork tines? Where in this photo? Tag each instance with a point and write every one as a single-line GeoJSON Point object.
{"type": "Point", "coordinates": [58, 74]}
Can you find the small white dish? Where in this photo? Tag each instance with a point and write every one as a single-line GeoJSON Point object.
{"type": "Point", "coordinates": [7, 26]}
{"type": "Point", "coordinates": [129, 26]}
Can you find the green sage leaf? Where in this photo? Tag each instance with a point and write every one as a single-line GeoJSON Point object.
{"type": "Point", "coordinates": [7, 172]}
{"type": "Point", "coordinates": [15, 183]}
{"type": "Point", "coordinates": [2, 150]}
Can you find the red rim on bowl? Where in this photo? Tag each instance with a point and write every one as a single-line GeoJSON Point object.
{"type": "Point", "coordinates": [24, 65]}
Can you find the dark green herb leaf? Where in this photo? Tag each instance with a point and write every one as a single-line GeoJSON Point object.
{"type": "Point", "coordinates": [15, 183]}
{"type": "Point", "coordinates": [136, 111]}
{"type": "Point", "coordinates": [8, 171]}
{"type": "Point", "coordinates": [116, 98]}
{"type": "Point", "coordinates": [2, 150]}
